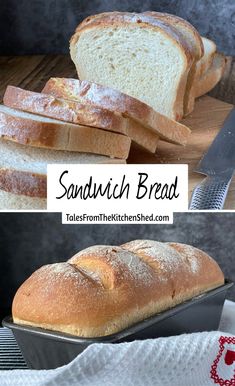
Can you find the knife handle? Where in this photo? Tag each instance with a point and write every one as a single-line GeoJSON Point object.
{"type": "Point", "coordinates": [210, 194]}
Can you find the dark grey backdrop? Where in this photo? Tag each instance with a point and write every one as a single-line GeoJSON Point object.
{"type": "Point", "coordinates": [45, 26]}
{"type": "Point", "coordinates": [29, 240]}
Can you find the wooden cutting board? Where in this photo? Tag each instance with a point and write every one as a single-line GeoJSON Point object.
{"type": "Point", "coordinates": [32, 72]}
{"type": "Point", "coordinates": [205, 122]}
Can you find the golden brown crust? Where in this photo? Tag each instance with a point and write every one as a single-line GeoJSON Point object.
{"type": "Point", "coordinates": [79, 113]}
{"type": "Point", "coordinates": [199, 50]}
{"type": "Point", "coordinates": [140, 113]}
{"type": "Point", "coordinates": [209, 269]}
{"type": "Point", "coordinates": [97, 95]}
{"type": "Point", "coordinates": [143, 21]}
{"type": "Point", "coordinates": [117, 18]}
{"type": "Point", "coordinates": [23, 183]}
{"type": "Point", "coordinates": [63, 136]}
{"type": "Point", "coordinates": [104, 289]}
{"type": "Point", "coordinates": [65, 110]}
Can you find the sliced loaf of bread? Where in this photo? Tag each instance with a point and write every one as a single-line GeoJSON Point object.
{"type": "Point", "coordinates": [137, 55]}
{"type": "Point", "coordinates": [141, 116]}
{"type": "Point", "coordinates": [39, 131]}
{"type": "Point", "coordinates": [23, 169]}
{"type": "Point", "coordinates": [64, 110]}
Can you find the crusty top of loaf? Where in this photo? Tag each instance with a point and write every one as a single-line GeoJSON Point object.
{"type": "Point", "coordinates": [170, 256]}
{"type": "Point", "coordinates": [116, 263]}
{"type": "Point", "coordinates": [121, 18]}
{"type": "Point", "coordinates": [104, 289]}
{"type": "Point", "coordinates": [185, 25]}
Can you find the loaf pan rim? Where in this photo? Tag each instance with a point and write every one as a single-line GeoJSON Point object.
{"type": "Point", "coordinates": [60, 336]}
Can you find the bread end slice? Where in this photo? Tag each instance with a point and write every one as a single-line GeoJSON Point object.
{"type": "Point", "coordinates": [212, 76]}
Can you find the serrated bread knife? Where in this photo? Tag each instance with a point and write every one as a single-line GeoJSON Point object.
{"type": "Point", "coordinates": [218, 165]}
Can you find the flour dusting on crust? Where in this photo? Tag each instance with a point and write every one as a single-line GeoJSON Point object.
{"type": "Point", "coordinates": [124, 263]}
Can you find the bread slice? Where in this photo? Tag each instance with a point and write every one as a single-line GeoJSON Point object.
{"type": "Point", "coordinates": [23, 169]}
{"type": "Point", "coordinates": [137, 55]}
{"type": "Point", "coordinates": [11, 201]}
{"type": "Point", "coordinates": [209, 51]}
{"type": "Point", "coordinates": [140, 114]}
{"type": "Point", "coordinates": [80, 113]}
{"type": "Point", "coordinates": [64, 110]}
{"type": "Point", "coordinates": [202, 66]}
{"type": "Point", "coordinates": [212, 76]}
{"type": "Point", "coordinates": [192, 36]}
{"type": "Point", "coordinates": [39, 131]}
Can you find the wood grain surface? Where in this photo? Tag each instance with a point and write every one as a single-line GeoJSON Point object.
{"type": "Point", "coordinates": [205, 123]}
{"type": "Point", "coordinates": [32, 72]}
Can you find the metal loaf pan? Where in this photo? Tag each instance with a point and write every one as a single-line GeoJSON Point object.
{"type": "Point", "coordinates": [45, 349]}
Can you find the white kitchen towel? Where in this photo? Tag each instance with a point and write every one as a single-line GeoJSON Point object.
{"type": "Point", "coordinates": [200, 359]}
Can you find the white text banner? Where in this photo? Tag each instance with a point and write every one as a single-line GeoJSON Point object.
{"type": "Point", "coordinates": [117, 193]}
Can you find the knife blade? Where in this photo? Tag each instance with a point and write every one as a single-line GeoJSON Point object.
{"type": "Point", "coordinates": [218, 164]}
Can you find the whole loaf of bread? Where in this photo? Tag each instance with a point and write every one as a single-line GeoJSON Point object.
{"type": "Point", "coordinates": [104, 289]}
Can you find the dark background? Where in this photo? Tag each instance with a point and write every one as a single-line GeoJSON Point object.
{"type": "Point", "coordinates": [45, 26]}
{"type": "Point", "coordinates": [29, 240]}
